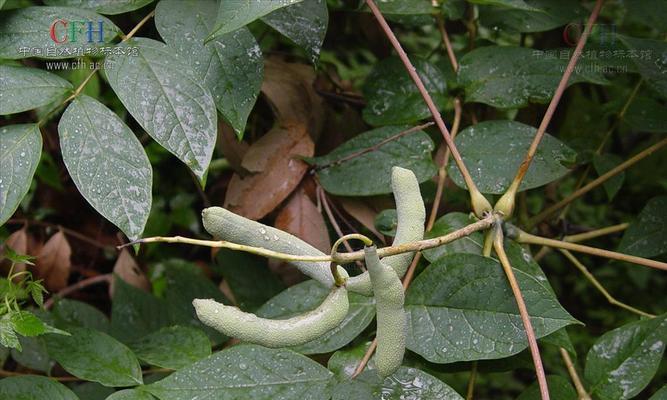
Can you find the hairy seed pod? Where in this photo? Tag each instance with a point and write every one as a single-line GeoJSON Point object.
{"type": "Point", "coordinates": [391, 317]}
{"type": "Point", "coordinates": [410, 228]}
{"type": "Point", "coordinates": [275, 332]}
{"type": "Point", "coordinates": [225, 225]}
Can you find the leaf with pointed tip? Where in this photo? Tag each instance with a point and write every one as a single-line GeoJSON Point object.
{"type": "Point", "coordinates": [23, 89]}
{"type": "Point", "coordinates": [623, 361]}
{"type": "Point", "coordinates": [107, 164]}
{"type": "Point", "coordinates": [235, 14]}
{"type": "Point", "coordinates": [31, 387]}
{"type": "Point", "coordinates": [164, 94]}
{"type": "Point", "coordinates": [20, 150]}
{"type": "Point", "coordinates": [493, 150]}
{"type": "Point", "coordinates": [109, 7]}
{"type": "Point", "coordinates": [304, 23]}
{"type": "Point", "coordinates": [25, 29]}
{"type": "Point", "coordinates": [95, 356]}
{"type": "Point", "coordinates": [647, 236]}
{"type": "Point", "coordinates": [461, 308]}
{"type": "Point", "coordinates": [231, 65]}
{"type": "Point", "coordinates": [247, 372]}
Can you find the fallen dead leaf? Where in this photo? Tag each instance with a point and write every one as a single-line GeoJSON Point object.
{"type": "Point", "coordinates": [18, 241]}
{"type": "Point", "coordinates": [278, 172]}
{"type": "Point", "coordinates": [363, 213]}
{"type": "Point", "coordinates": [54, 262]}
{"type": "Point", "coordinates": [127, 269]}
{"type": "Point", "coordinates": [301, 218]}
{"type": "Point", "coordinates": [232, 148]}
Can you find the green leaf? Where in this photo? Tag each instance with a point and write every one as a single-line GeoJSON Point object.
{"type": "Point", "coordinates": [135, 313]}
{"type": "Point", "coordinates": [20, 149]}
{"type": "Point", "coordinates": [235, 14]}
{"type": "Point", "coordinates": [650, 57]}
{"type": "Point", "coordinates": [651, 13]}
{"type": "Point", "coordinates": [304, 23]}
{"type": "Point", "coordinates": [27, 324]}
{"type": "Point", "coordinates": [25, 29]}
{"type": "Point", "coordinates": [647, 115]}
{"type": "Point", "coordinates": [406, 383]}
{"type": "Point", "coordinates": [660, 394]}
{"type": "Point", "coordinates": [510, 77]}
{"type": "Point", "coordinates": [109, 7]}
{"type": "Point", "coordinates": [559, 388]}
{"type": "Point", "coordinates": [164, 94]}
{"type": "Point", "coordinates": [173, 347]}
{"type": "Point", "coordinates": [369, 173]}
{"type": "Point", "coordinates": [448, 223]}
{"type": "Point", "coordinates": [512, 4]}
{"type": "Point", "coordinates": [92, 391]}
{"type": "Point", "coordinates": [107, 164]}
{"type": "Point", "coordinates": [306, 296]}
{"type": "Point", "coordinates": [547, 15]}
{"type": "Point", "coordinates": [393, 98]}
{"type": "Point", "coordinates": [461, 308]}
{"type": "Point", "coordinates": [76, 313]}
{"type": "Point", "coordinates": [344, 362]}
{"type": "Point", "coordinates": [230, 66]}
{"type": "Point", "coordinates": [8, 337]}
{"type": "Point", "coordinates": [386, 222]}
{"type": "Point", "coordinates": [247, 372]}
{"type": "Point", "coordinates": [131, 394]}
{"type": "Point", "coordinates": [604, 163]}
{"type": "Point", "coordinates": [405, 7]}
{"type": "Point", "coordinates": [647, 236]}
{"type": "Point", "coordinates": [623, 361]}
{"type": "Point", "coordinates": [23, 89]}
{"type": "Point", "coordinates": [29, 387]}
{"type": "Point", "coordinates": [95, 356]}
{"type": "Point", "coordinates": [33, 354]}
{"type": "Point", "coordinates": [493, 151]}
{"type": "Point", "coordinates": [248, 277]}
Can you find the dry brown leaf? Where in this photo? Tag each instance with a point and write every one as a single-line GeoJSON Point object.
{"type": "Point", "coordinates": [288, 87]}
{"type": "Point", "coordinates": [18, 241]}
{"type": "Point", "coordinates": [232, 148]}
{"type": "Point", "coordinates": [227, 291]}
{"type": "Point", "coordinates": [54, 262]}
{"type": "Point", "coordinates": [127, 269]}
{"type": "Point", "coordinates": [278, 172]}
{"type": "Point", "coordinates": [301, 218]}
{"type": "Point", "coordinates": [362, 212]}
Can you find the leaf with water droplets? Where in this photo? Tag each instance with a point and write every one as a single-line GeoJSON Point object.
{"type": "Point", "coordinates": [247, 372]}
{"type": "Point", "coordinates": [303, 23]}
{"type": "Point", "coordinates": [510, 77]}
{"type": "Point", "coordinates": [235, 14]}
{"type": "Point", "coordinates": [393, 97]}
{"type": "Point", "coordinates": [164, 94]}
{"type": "Point", "coordinates": [24, 32]}
{"type": "Point", "coordinates": [545, 16]}
{"type": "Point", "coordinates": [172, 347]}
{"type": "Point", "coordinates": [23, 89]}
{"type": "Point", "coordinates": [511, 4]}
{"type": "Point", "coordinates": [404, 384]}
{"type": "Point", "coordinates": [448, 223]}
{"type": "Point", "coordinates": [493, 150]}
{"type": "Point", "coordinates": [647, 236]}
{"type": "Point", "coordinates": [305, 297]}
{"type": "Point", "coordinates": [109, 7]}
{"type": "Point", "coordinates": [623, 361]}
{"type": "Point", "coordinates": [406, 7]}
{"type": "Point", "coordinates": [20, 150]}
{"type": "Point", "coordinates": [461, 308]}
{"type": "Point", "coordinates": [362, 165]}
{"type": "Point", "coordinates": [646, 114]}
{"type": "Point", "coordinates": [107, 164]}
{"type": "Point", "coordinates": [230, 65]}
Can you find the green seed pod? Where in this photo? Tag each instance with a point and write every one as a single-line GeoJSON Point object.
{"type": "Point", "coordinates": [391, 317]}
{"type": "Point", "coordinates": [411, 216]}
{"type": "Point", "coordinates": [275, 332]}
{"type": "Point", "coordinates": [225, 225]}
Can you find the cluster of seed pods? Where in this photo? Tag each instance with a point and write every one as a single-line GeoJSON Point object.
{"type": "Point", "coordinates": [381, 280]}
